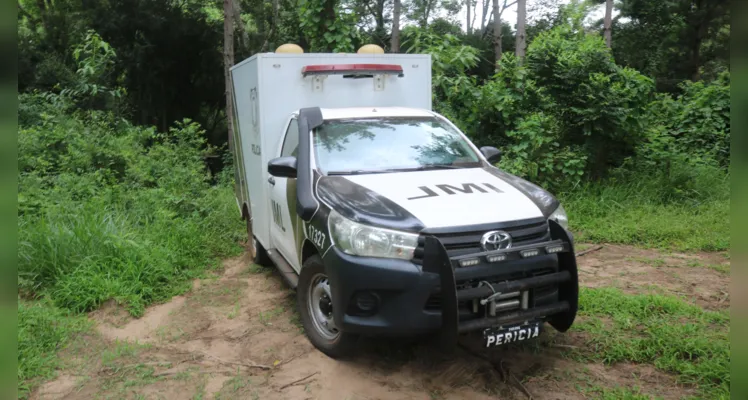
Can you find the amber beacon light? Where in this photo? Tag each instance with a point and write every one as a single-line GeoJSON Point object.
{"type": "Point", "coordinates": [289, 48]}
{"type": "Point", "coordinates": [370, 49]}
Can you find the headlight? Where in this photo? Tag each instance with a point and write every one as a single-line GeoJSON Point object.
{"type": "Point", "coordinates": [363, 240]}
{"type": "Point", "coordinates": [560, 216]}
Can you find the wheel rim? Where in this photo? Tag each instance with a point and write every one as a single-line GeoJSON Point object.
{"type": "Point", "coordinates": [319, 305]}
{"type": "Point", "coordinates": [251, 242]}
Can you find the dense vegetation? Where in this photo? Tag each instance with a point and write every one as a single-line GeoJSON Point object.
{"type": "Point", "coordinates": [122, 135]}
{"type": "Point", "coordinates": [108, 210]}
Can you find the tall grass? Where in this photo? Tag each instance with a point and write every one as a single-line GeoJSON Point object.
{"type": "Point", "coordinates": [686, 208]}
{"type": "Point", "coordinates": [85, 255]}
{"type": "Point", "coordinates": [107, 211]}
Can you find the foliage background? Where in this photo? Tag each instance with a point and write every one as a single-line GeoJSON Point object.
{"type": "Point", "coordinates": [124, 184]}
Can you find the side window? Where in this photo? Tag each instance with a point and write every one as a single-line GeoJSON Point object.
{"type": "Point", "coordinates": [291, 142]}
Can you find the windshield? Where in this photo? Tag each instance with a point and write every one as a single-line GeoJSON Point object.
{"type": "Point", "coordinates": [386, 145]}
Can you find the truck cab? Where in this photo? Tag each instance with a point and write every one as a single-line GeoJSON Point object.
{"type": "Point", "coordinates": [383, 215]}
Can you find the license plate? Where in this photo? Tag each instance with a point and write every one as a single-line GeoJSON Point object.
{"type": "Point", "coordinates": [518, 333]}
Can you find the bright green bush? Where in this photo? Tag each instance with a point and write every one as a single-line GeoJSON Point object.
{"type": "Point", "coordinates": [566, 112]}
{"type": "Point", "coordinates": [568, 115]}
{"type": "Point", "coordinates": [693, 125]}
{"type": "Point", "coordinates": [112, 211]}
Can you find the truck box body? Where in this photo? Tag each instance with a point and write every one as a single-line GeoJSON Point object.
{"type": "Point", "coordinates": [268, 87]}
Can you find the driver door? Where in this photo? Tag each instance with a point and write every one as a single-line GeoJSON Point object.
{"type": "Point", "coordinates": [283, 202]}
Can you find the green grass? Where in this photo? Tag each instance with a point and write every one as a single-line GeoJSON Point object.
{"type": "Point", "coordinates": [121, 349]}
{"type": "Point", "coordinates": [96, 253]}
{"type": "Point", "coordinates": [665, 331]}
{"type": "Point", "coordinates": [108, 210]}
{"type": "Point", "coordinates": [639, 214]}
{"type": "Point", "coordinates": [43, 330]}
{"type": "Point", "coordinates": [723, 268]}
{"type": "Point", "coordinates": [266, 317]}
{"type": "Point", "coordinates": [616, 393]}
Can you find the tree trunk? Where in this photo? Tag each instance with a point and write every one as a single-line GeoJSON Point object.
{"type": "Point", "coordinates": [228, 62]}
{"type": "Point", "coordinates": [379, 29]}
{"type": "Point", "coordinates": [608, 22]}
{"type": "Point", "coordinates": [496, 32]}
{"type": "Point", "coordinates": [328, 15]}
{"type": "Point", "coordinates": [395, 41]}
{"type": "Point", "coordinates": [475, 14]}
{"type": "Point", "coordinates": [467, 3]}
{"type": "Point", "coordinates": [426, 13]}
{"type": "Point", "coordinates": [696, 59]}
{"type": "Point", "coordinates": [521, 35]}
{"type": "Point", "coordinates": [237, 19]}
{"type": "Point", "coordinates": [700, 25]}
{"type": "Point", "coordinates": [483, 16]}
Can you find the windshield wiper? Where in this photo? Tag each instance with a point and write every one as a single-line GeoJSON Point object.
{"type": "Point", "coordinates": [357, 172]}
{"type": "Point", "coordinates": [424, 167]}
{"type": "Point", "coordinates": [445, 166]}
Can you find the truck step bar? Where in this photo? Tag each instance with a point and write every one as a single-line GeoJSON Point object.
{"type": "Point", "coordinates": [560, 314]}
{"type": "Point", "coordinates": [286, 272]}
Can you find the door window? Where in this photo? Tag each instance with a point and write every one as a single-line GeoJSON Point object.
{"type": "Point", "coordinates": [291, 142]}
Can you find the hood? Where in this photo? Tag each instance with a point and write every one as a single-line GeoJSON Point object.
{"type": "Point", "coordinates": [435, 198]}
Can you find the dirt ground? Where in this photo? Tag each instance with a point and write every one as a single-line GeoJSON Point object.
{"type": "Point", "coordinates": [237, 336]}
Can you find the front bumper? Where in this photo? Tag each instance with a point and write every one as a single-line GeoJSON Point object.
{"type": "Point", "coordinates": [444, 297]}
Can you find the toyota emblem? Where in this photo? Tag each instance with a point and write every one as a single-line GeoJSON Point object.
{"type": "Point", "coordinates": [496, 240]}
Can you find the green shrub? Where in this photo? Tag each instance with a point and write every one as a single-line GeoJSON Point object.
{"type": "Point", "coordinates": [566, 112]}
{"type": "Point", "coordinates": [694, 125]}
{"type": "Point", "coordinates": [109, 210]}
{"type": "Point", "coordinates": [569, 115]}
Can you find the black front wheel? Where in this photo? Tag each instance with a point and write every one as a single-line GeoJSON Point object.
{"type": "Point", "coordinates": [314, 298]}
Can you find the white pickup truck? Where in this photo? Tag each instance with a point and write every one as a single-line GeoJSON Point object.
{"type": "Point", "coordinates": [382, 214]}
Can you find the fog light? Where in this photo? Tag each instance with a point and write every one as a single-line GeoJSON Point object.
{"type": "Point", "coordinates": [529, 253]}
{"type": "Point", "coordinates": [366, 301]}
{"type": "Point", "coordinates": [469, 262]}
{"type": "Point", "coordinates": [496, 258]}
{"type": "Point", "coordinates": [554, 249]}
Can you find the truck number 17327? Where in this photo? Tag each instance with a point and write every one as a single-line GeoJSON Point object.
{"type": "Point", "coordinates": [317, 237]}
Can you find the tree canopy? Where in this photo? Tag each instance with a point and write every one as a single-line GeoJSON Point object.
{"type": "Point", "coordinates": [155, 62]}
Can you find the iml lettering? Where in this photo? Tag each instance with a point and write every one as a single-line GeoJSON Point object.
{"type": "Point", "coordinates": [467, 188]}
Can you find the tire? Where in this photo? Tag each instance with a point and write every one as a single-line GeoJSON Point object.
{"type": "Point", "coordinates": [258, 253]}
{"type": "Point", "coordinates": [311, 300]}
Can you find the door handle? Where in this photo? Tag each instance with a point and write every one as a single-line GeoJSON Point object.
{"type": "Point", "coordinates": [271, 181]}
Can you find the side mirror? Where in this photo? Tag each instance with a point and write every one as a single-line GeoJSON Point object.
{"type": "Point", "coordinates": [283, 167]}
{"type": "Point", "coordinates": [492, 154]}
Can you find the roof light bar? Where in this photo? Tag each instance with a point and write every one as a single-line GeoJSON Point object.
{"type": "Point", "coordinates": [353, 69]}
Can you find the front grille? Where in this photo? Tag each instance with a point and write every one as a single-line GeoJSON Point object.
{"type": "Point", "coordinates": [460, 243]}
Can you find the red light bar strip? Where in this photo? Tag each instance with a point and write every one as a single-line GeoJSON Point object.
{"type": "Point", "coordinates": [353, 69]}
